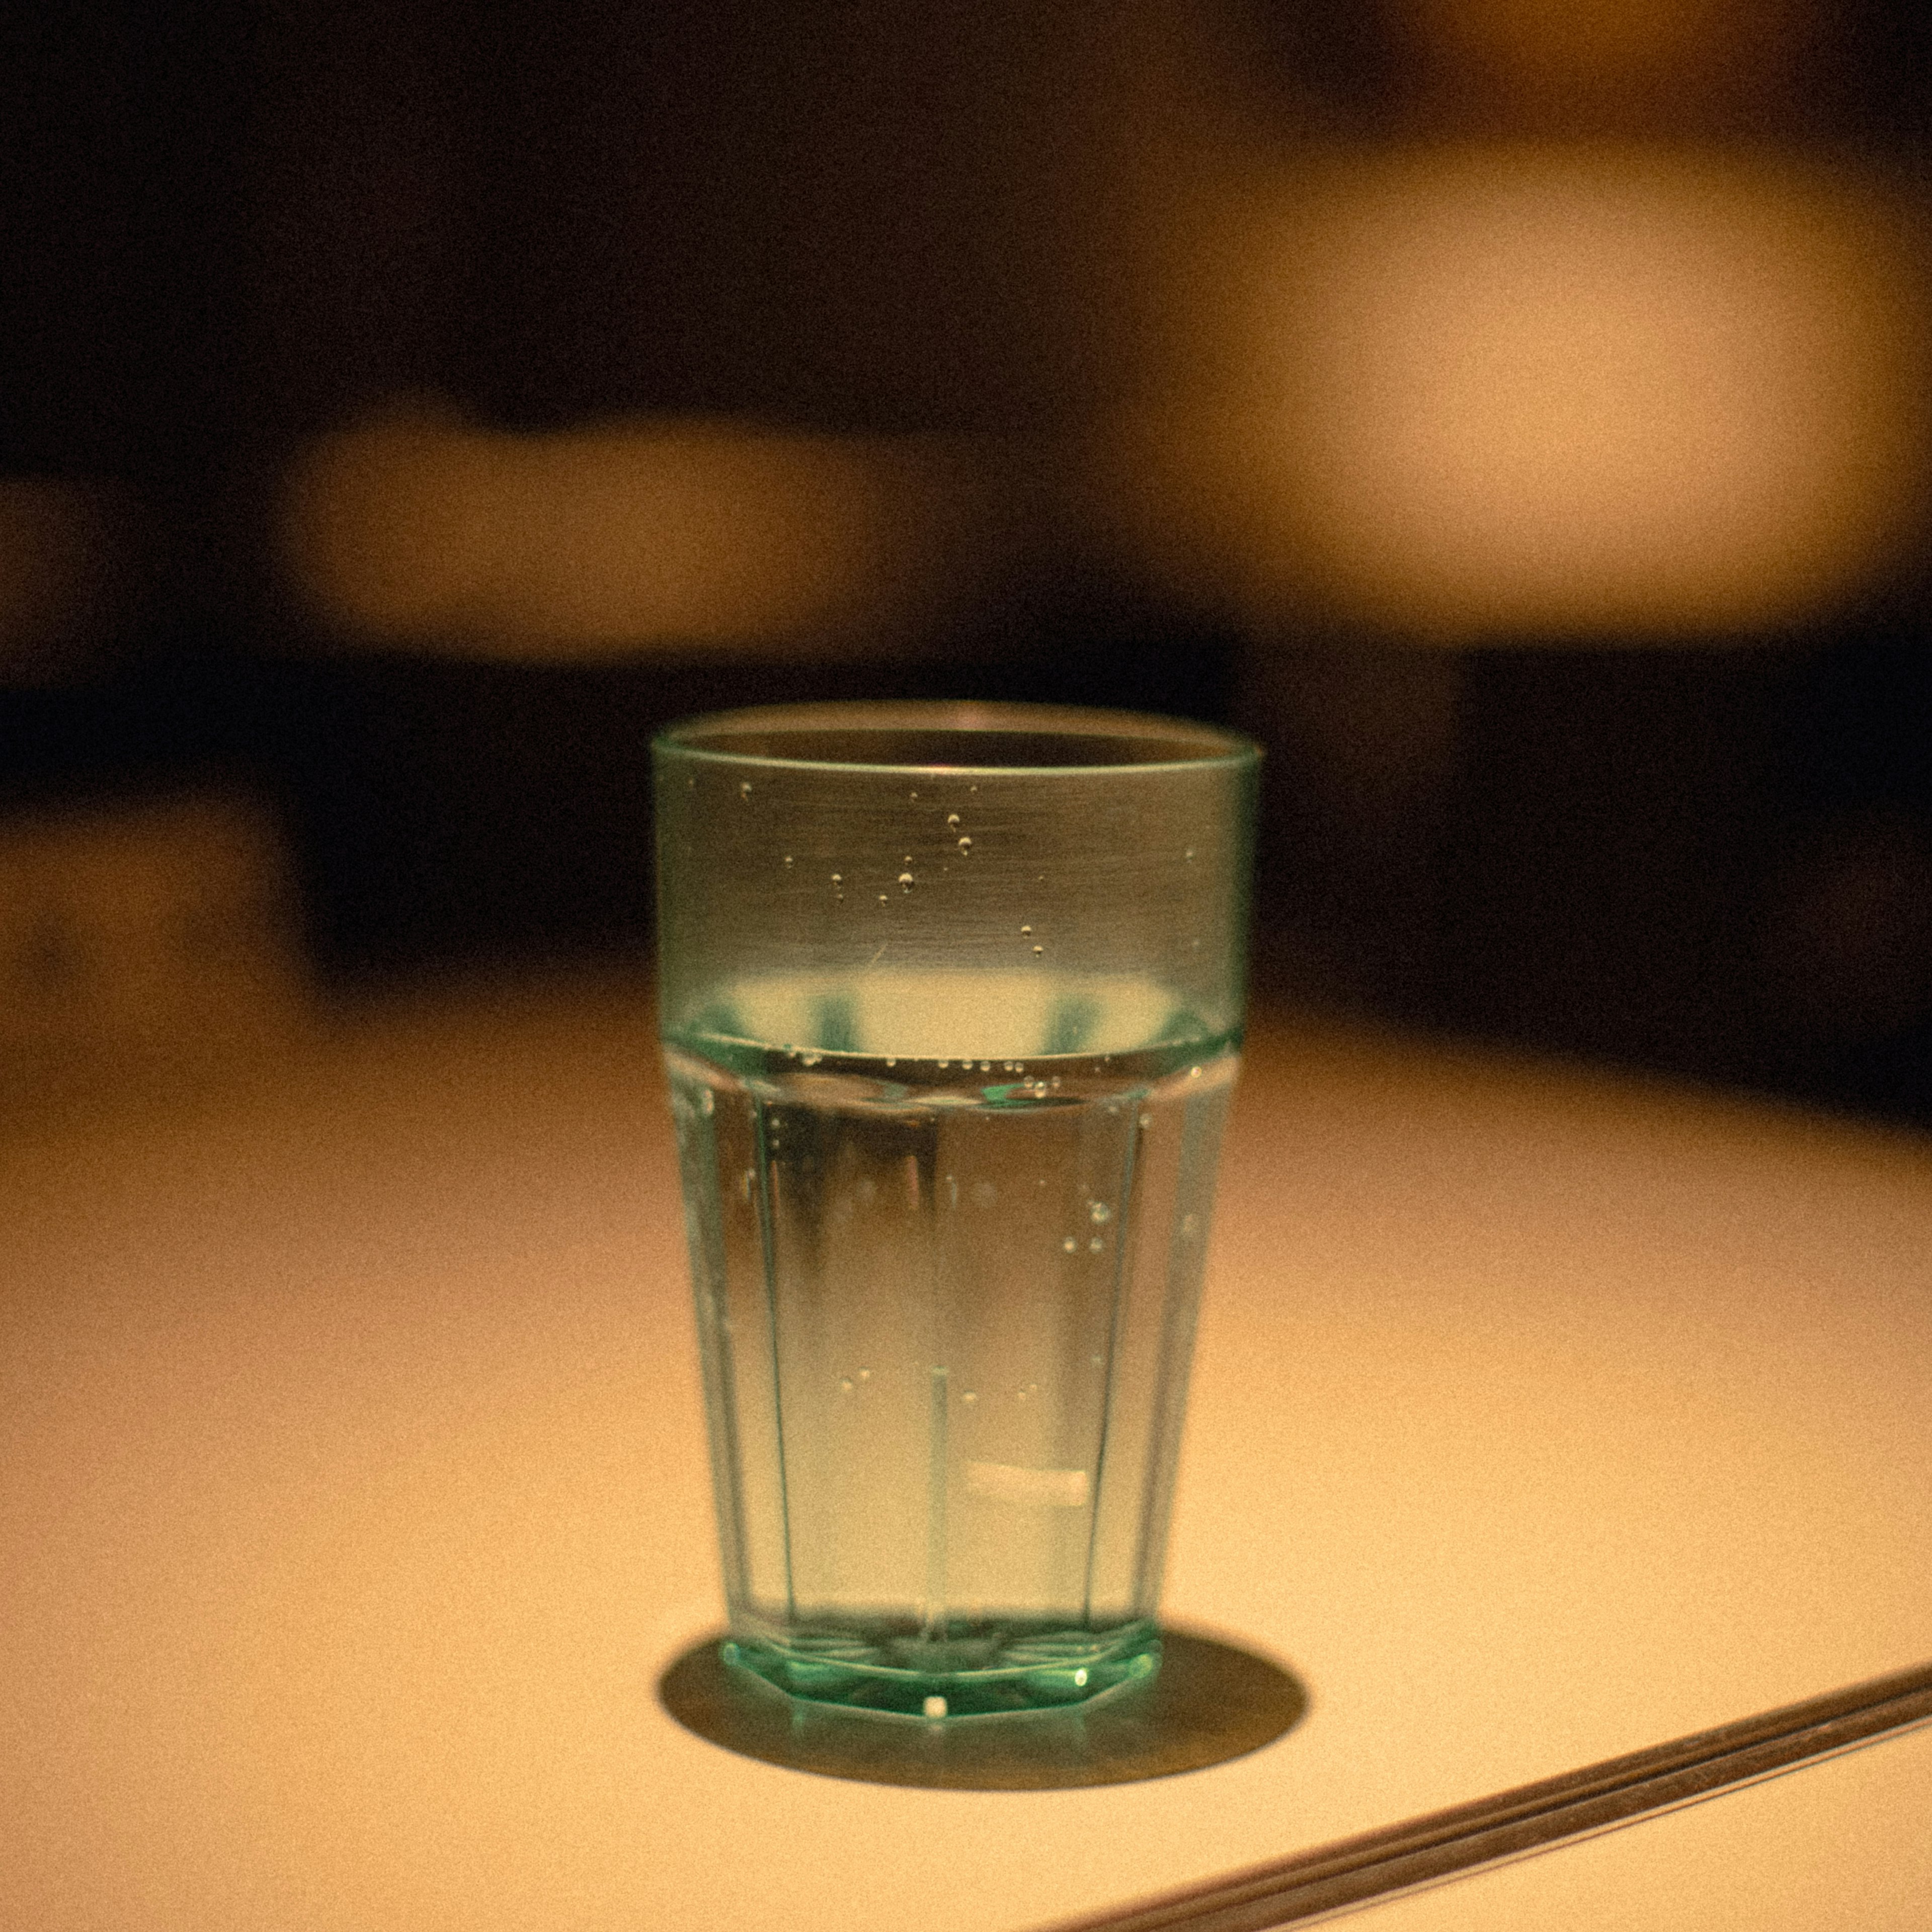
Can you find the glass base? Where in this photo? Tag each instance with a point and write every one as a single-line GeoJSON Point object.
{"type": "Point", "coordinates": [1004, 1671]}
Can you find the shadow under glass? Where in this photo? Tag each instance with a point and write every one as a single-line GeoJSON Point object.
{"type": "Point", "coordinates": [1210, 1703]}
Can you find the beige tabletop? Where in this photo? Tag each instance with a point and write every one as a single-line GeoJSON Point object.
{"type": "Point", "coordinates": [352, 1496]}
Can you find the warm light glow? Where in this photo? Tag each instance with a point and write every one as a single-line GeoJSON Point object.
{"type": "Point", "coordinates": [1572, 53]}
{"type": "Point", "coordinates": [694, 533]}
{"type": "Point", "coordinates": [1545, 392]}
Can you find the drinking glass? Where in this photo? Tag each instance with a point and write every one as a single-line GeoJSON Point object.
{"type": "Point", "coordinates": [951, 1000]}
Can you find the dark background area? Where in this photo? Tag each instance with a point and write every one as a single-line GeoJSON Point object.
{"type": "Point", "coordinates": [229, 228]}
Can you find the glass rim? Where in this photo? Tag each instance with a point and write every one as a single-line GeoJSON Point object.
{"type": "Point", "coordinates": [1190, 745]}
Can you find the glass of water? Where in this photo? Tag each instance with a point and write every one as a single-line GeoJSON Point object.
{"type": "Point", "coordinates": [951, 999]}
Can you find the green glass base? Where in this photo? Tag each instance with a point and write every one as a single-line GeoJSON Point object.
{"type": "Point", "coordinates": [1000, 1672]}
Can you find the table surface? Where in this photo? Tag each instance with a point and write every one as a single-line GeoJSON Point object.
{"type": "Point", "coordinates": [352, 1496]}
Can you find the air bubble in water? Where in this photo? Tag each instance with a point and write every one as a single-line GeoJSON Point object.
{"type": "Point", "coordinates": [882, 899]}
{"type": "Point", "coordinates": [865, 1375]}
{"type": "Point", "coordinates": [1026, 932]}
{"type": "Point", "coordinates": [952, 818]}
{"type": "Point", "coordinates": [708, 1104]}
{"type": "Point", "coordinates": [905, 882]}
{"type": "Point", "coordinates": [965, 845]}
{"type": "Point", "coordinates": [1100, 1211]}
{"type": "Point", "coordinates": [844, 1384]}
{"type": "Point", "coordinates": [745, 790]}
{"type": "Point", "coordinates": [970, 1396]}
{"type": "Point", "coordinates": [1094, 1246]}
{"type": "Point", "coordinates": [787, 858]}
{"type": "Point", "coordinates": [1070, 1244]}
{"type": "Point", "coordinates": [1039, 949]}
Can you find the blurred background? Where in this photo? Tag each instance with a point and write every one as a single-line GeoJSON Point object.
{"type": "Point", "coordinates": [1513, 412]}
